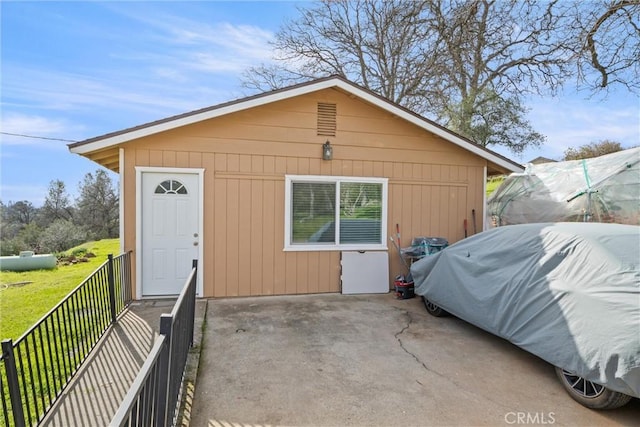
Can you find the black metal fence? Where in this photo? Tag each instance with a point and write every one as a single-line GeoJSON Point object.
{"type": "Point", "coordinates": [39, 365]}
{"type": "Point", "coordinates": [155, 395]}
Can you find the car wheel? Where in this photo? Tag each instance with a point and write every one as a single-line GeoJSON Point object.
{"type": "Point", "coordinates": [590, 394]}
{"type": "Point", "coordinates": [433, 309]}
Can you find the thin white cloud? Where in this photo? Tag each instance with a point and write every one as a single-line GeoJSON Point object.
{"type": "Point", "coordinates": [101, 98]}
{"type": "Point", "coordinates": [172, 65]}
{"type": "Point", "coordinates": [244, 40]}
{"type": "Point", "coordinates": [170, 74]}
{"type": "Point", "coordinates": [33, 130]}
{"type": "Point", "coordinates": [144, 75]}
{"type": "Point", "coordinates": [17, 123]}
{"type": "Point", "coordinates": [214, 63]}
{"type": "Point", "coordinates": [187, 43]}
{"type": "Point", "coordinates": [146, 64]}
{"type": "Point", "coordinates": [68, 91]}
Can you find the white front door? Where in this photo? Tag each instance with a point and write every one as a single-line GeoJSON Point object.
{"type": "Point", "coordinates": [170, 234]}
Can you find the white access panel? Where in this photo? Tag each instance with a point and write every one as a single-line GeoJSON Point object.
{"type": "Point", "coordinates": [365, 272]}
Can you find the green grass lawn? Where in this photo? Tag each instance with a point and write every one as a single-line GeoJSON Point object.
{"type": "Point", "coordinates": [23, 305]}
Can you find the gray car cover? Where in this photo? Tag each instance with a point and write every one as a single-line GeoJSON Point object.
{"type": "Point", "coordinates": [567, 292]}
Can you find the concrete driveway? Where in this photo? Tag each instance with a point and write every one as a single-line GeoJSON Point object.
{"type": "Point", "coordinates": [371, 360]}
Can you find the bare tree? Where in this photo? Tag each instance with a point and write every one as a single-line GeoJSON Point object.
{"type": "Point", "coordinates": [379, 45]}
{"type": "Point", "coordinates": [435, 57]}
{"type": "Point", "coordinates": [455, 60]}
{"type": "Point", "coordinates": [606, 34]}
{"type": "Point", "coordinates": [496, 51]}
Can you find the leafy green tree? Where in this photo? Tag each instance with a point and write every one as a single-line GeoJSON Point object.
{"type": "Point", "coordinates": [97, 206]}
{"type": "Point", "coordinates": [57, 204]}
{"type": "Point", "coordinates": [30, 237]}
{"type": "Point", "coordinates": [61, 235]}
{"type": "Point", "coordinates": [11, 246]}
{"type": "Point", "coordinates": [495, 121]}
{"type": "Point", "coordinates": [25, 227]}
{"type": "Point", "coordinates": [594, 149]}
{"type": "Point", "coordinates": [8, 228]}
{"type": "Point", "coordinates": [21, 213]}
{"type": "Point", "coordinates": [313, 199]}
{"type": "Point", "coordinates": [17, 225]}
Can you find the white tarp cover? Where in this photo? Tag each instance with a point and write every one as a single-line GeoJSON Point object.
{"type": "Point", "coordinates": [601, 189]}
{"type": "Point", "coordinates": [567, 292]}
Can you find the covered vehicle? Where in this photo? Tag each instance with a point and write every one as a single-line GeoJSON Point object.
{"type": "Point", "coordinates": [567, 292]}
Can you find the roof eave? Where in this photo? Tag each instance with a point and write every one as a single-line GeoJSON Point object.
{"type": "Point", "coordinates": [98, 143]}
{"type": "Point", "coordinates": [102, 142]}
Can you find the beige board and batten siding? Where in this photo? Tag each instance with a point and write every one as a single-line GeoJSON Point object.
{"type": "Point", "coordinates": [433, 185]}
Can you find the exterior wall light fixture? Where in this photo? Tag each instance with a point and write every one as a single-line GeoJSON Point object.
{"type": "Point", "coordinates": [327, 151]}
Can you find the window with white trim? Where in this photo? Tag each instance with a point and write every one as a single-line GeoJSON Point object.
{"type": "Point", "coordinates": [171, 186]}
{"type": "Point", "coordinates": [335, 213]}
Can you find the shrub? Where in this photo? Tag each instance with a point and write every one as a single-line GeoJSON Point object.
{"type": "Point", "coordinates": [12, 246]}
{"type": "Point", "coordinates": [61, 235]}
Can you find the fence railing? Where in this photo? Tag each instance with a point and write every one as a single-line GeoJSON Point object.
{"type": "Point", "coordinates": [155, 395]}
{"type": "Point", "coordinates": [40, 364]}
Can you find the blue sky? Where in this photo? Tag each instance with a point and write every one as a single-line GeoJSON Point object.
{"type": "Point", "coordinates": [74, 70]}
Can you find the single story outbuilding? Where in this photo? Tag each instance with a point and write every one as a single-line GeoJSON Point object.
{"type": "Point", "coordinates": [268, 191]}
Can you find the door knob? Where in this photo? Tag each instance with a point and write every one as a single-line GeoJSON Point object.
{"type": "Point", "coordinates": [195, 243]}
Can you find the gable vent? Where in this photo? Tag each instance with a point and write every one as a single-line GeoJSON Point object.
{"type": "Point", "coordinates": [326, 119]}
